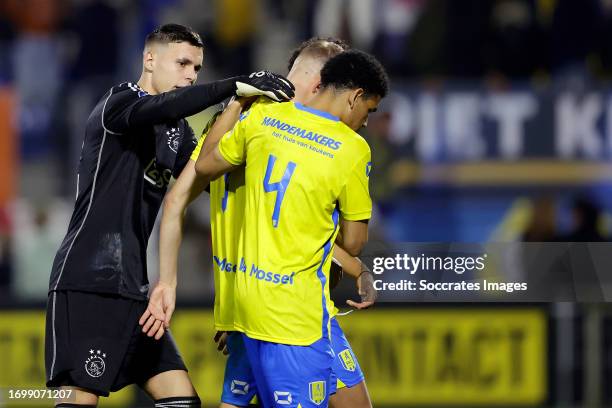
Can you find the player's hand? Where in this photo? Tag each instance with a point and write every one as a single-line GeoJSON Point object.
{"type": "Point", "coordinates": [365, 288]}
{"type": "Point", "coordinates": [266, 83]}
{"type": "Point", "coordinates": [156, 319]}
{"type": "Point", "coordinates": [221, 340]}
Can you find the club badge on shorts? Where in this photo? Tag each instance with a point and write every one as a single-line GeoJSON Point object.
{"type": "Point", "coordinates": [347, 360]}
{"type": "Point", "coordinates": [317, 391]}
{"type": "Point", "coordinates": [95, 365]}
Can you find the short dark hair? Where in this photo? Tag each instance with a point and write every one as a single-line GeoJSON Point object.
{"type": "Point", "coordinates": [356, 69]}
{"type": "Point", "coordinates": [324, 47]}
{"type": "Point", "coordinates": [174, 33]}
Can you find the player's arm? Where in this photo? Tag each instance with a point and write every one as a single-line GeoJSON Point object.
{"type": "Point", "coordinates": [160, 308]}
{"type": "Point", "coordinates": [163, 296]}
{"type": "Point", "coordinates": [223, 124]}
{"type": "Point", "coordinates": [211, 162]}
{"type": "Point", "coordinates": [359, 271]}
{"type": "Point", "coordinates": [350, 265]}
{"type": "Point", "coordinates": [354, 236]}
{"type": "Point", "coordinates": [355, 205]}
{"type": "Point", "coordinates": [179, 103]}
{"type": "Point", "coordinates": [187, 187]}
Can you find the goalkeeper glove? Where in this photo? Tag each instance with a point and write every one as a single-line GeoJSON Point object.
{"type": "Point", "coordinates": [265, 83]}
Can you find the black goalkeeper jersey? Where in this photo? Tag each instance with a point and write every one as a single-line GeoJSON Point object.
{"type": "Point", "coordinates": [134, 142]}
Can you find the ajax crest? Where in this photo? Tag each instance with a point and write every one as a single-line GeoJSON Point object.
{"type": "Point", "coordinates": [95, 365]}
{"type": "Point", "coordinates": [174, 138]}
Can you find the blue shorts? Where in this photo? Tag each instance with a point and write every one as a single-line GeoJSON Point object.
{"type": "Point", "coordinates": [239, 383]}
{"type": "Point", "coordinates": [281, 375]}
{"type": "Point", "coordinates": [345, 369]}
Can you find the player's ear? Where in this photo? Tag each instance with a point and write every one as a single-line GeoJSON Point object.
{"type": "Point", "coordinates": [147, 60]}
{"type": "Point", "coordinates": [354, 96]}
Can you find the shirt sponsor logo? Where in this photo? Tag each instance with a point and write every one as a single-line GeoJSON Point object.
{"type": "Point", "coordinates": [254, 272]}
{"type": "Point", "coordinates": [271, 276]}
{"type": "Point", "coordinates": [224, 265]}
{"type": "Point", "coordinates": [159, 178]}
{"type": "Point", "coordinates": [303, 133]}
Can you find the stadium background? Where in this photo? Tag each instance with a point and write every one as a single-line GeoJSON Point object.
{"type": "Point", "coordinates": [498, 129]}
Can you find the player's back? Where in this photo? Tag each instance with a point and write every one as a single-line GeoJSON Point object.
{"type": "Point", "coordinates": [227, 202]}
{"type": "Point", "coordinates": [301, 165]}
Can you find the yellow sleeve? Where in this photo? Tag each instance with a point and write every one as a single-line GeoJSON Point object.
{"type": "Point", "coordinates": [198, 148]}
{"type": "Point", "coordinates": [209, 125]}
{"type": "Point", "coordinates": [232, 145]}
{"type": "Point", "coordinates": [354, 201]}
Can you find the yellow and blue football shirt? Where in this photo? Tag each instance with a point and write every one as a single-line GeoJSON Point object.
{"type": "Point", "coordinates": [303, 168]}
{"type": "Point", "coordinates": [227, 196]}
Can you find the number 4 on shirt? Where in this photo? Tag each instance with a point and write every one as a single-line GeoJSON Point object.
{"type": "Point", "coordinates": [280, 186]}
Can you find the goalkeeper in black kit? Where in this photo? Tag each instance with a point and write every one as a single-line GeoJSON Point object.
{"type": "Point", "coordinates": [136, 140]}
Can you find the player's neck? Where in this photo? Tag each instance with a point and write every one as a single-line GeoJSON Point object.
{"type": "Point", "coordinates": [329, 102]}
{"type": "Point", "coordinates": [146, 84]}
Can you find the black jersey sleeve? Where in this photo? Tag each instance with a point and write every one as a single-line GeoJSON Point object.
{"type": "Point", "coordinates": [130, 107]}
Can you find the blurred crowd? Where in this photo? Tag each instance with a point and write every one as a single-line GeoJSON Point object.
{"type": "Point", "coordinates": [585, 222]}
{"type": "Point", "coordinates": [59, 56]}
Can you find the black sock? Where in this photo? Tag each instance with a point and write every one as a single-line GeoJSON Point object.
{"type": "Point", "coordinates": [178, 402]}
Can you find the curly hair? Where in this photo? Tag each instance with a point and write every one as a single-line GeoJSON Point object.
{"type": "Point", "coordinates": [356, 69]}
